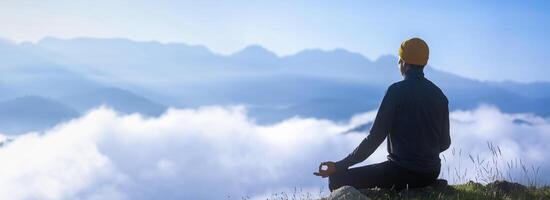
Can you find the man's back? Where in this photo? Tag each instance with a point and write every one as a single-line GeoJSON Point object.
{"type": "Point", "coordinates": [420, 126]}
{"type": "Point", "coordinates": [414, 116]}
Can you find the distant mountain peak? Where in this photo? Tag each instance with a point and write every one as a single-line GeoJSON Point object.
{"type": "Point", "coordinates": [335, 56]}
{"type": "Point", "coordinates": [110, 41]}
{"type": "Point", "coordinates": [255, 50]}
{"type": "Point", "coordinates": [339, 52]}
{"type": "Point", "coordinates": [386, 58]}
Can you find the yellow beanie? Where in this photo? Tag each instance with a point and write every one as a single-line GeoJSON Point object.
{"type": "Point", "coordinates": [414, 51]}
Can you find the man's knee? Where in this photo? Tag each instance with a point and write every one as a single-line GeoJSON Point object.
{"type": "Point", "coordinates": [336, 180]}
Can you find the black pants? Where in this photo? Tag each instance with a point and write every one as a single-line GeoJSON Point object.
{"type": "Point", "coordinates": [383, 175]}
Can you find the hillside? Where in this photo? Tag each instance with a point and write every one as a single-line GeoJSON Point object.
{"type": "Point", "coordinates": [468, 191]}
{"type": "Point", "coordinates": [498, 190]}
{"type": "Point", "coordinates": [32, 113]}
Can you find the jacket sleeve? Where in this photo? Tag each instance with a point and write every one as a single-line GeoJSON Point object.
{"type": "Point", "coordinates": [445, 139]}
{"type": "Point", "coordinates": [380, 129]}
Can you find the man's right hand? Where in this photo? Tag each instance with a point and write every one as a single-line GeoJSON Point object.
{"type": "Point", "coordinates": [331, 168]}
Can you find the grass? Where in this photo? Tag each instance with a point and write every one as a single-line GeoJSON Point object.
{"type": "Point", "coordinates": [478, 191]}
{"type": "Point", "coordinates": [467, 191]}
{"type": "Point", "coordinates": [487, 173]}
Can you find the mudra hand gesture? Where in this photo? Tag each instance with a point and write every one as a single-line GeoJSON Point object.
{"type": "Point", "coordinates": [330, 168]}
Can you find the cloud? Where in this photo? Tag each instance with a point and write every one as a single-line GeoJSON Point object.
{"type": "Point", "coordinates": [219, 152]}
{"type": "Point", "coordinates": [517, 140]}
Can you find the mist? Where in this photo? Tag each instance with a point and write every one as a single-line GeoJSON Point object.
{"type": "Point", "coordinates": [219, 152]}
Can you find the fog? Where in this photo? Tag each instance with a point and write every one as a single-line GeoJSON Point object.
{"type": "Point", "coordinates": [219, 152]}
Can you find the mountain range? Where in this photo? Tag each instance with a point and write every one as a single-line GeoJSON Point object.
{"type": "Point", "coordinates": [53, 80]}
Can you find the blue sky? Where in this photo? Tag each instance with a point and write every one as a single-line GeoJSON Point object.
{"type": "Point", "coordinates": [492, 40]}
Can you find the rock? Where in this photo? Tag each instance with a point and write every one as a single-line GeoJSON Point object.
{"type": "Point", "coordinates": [506, 187]}
{"type": "Point", "coordinates": [376, 193]}
{"type": "Point", "coordinates": [439, 184]}
{"type": "Point", "coordinates": [346, 193]}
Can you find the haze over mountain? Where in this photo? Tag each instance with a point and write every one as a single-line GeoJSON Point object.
{"type": "Point", "coordinates": [32, 113]}
{"type": "Point", "coordinates": [146, 77]}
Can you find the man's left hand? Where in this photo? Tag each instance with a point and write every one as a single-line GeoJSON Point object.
{"type": "Point", "coordinates": [331, 168]}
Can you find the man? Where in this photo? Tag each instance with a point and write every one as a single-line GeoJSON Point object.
{"type": "Point", "coordinates": [414, 116]}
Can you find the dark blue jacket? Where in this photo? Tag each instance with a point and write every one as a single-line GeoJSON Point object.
{"type": "Point", "coordinates": [414, 116]}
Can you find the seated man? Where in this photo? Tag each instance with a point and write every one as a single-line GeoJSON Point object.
{"type": "Point", "coordinates": [414, 116]}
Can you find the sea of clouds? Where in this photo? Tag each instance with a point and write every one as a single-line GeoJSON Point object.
{"type": "Point", "coordinates": [220, 152]}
